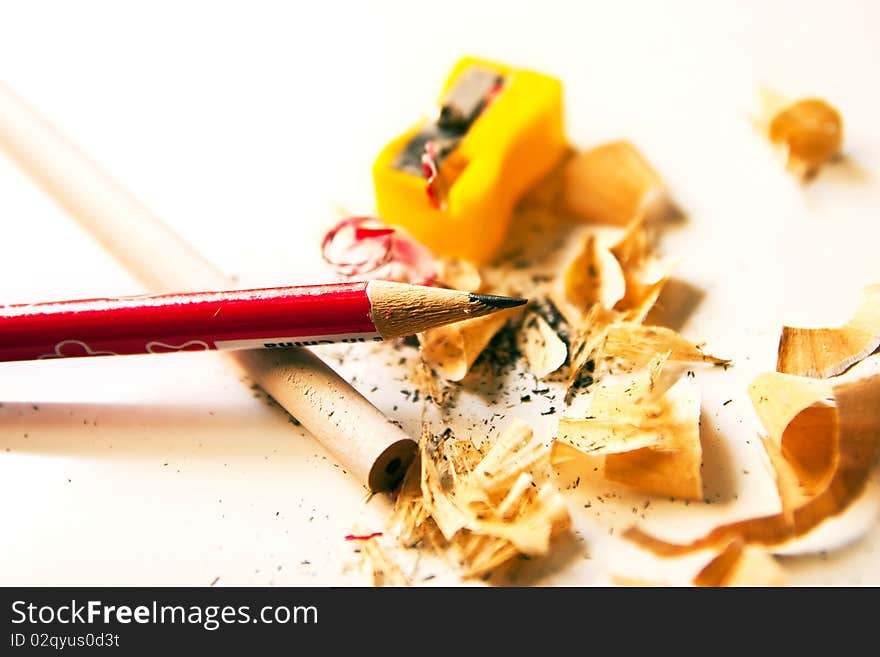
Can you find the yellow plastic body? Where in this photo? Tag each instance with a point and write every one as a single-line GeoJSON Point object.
{"type": "Point", "coordinates": [511, 145]}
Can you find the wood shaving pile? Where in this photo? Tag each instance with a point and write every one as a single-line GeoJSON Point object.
{"type": "Point", "coordinates": [481, 508]}
{"type": "Point", "coordinates": [590, 291]}
{"type": "Point", "coordinates": [582, 249]}
{"type": "Point", "coordinates": [589, 296]}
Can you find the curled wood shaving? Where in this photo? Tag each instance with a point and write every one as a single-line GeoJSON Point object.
{"type": "Point", "coordinates": [636, 344]}
{"type": "Point", "coordinates": [516, 451]}
{"type": "Point", "coordinates": [612, 183]}
{"type": "Point", "coordinates": [622, 297]}
{"type": "Point", "coordinates": [451, 350]}
{"type": "Point", "coordinates": [617, 411]}
{"type": "Point", "coordinates": [741, 565]}
{"type": "Point", "coordinates": [855, 438]}
{"type": "Point", "coordinates": [641, 305]}
{"type": "Point", "coordinates": [367, 248]}
{"type": "Point", "coordinates": [827, 352]}
{"type": "Point", "coordinates": [647, 430]}
{"type": "Point", "coordinates": [588, 338]}
{"type": "Point", "coordinates": [410, 520]}
{"type": "Point", "coordinates": [544, 350]}
{"type": "Point", "coordinates": [633, 248]}
{"type": "Point", "coordinates": [795, 411]}
{"type": "Point", "coordinates": [592, 276]}
{"type": "Point", "coordinates": [485, 511]}
{"type": "Point", "coordinates": [644, 274]}
{"type": "Point", "coordinates": [625, 277]}
{"type": "Point", "coordinates": [610, 277]}
{"type": "Point", "coordinates": [675, 469]}
{"type": "Point", "coordinates": [810, 131]}
{"type": "Point", "coordinates": [439, 483]}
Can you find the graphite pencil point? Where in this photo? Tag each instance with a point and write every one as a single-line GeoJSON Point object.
{"type": "Point", "coordinates": [496, 301]}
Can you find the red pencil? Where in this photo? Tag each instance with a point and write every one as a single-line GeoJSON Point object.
{"type": "Point", "coordinates": [240, 319]}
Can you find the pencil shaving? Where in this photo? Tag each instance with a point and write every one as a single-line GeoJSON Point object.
{"type": "Point", "coordinates": [808, 132]}
{"type": "Point", "coordinates": [827, 352]}
{"type": "Point", "coordinates": [487, 507]}
{"type": "Point", "coordinates": [636, 344]}
{"type": "Point", "coordinates": [411, 519]}
{"type": "Point", "coordinates": [593, 276]}
{"type": "Point", "coordinates": [544, 350]}
{"type": "Point", "coordinates": [588, 338]}
{"type": "Point", "coordinates": [644, 273]}
{"type": "Point", "coordinates": [612, 183]}
{"type": "Point", "coordinates": [741, 565]}
{"type": "Point", "coordinates": [451, 350]}
{"type": "Point", "coordinates": [646, 428]}
{"type": "Point", "coordinates": [367, 248]}
{"type": "Point", "coordinates": [622, 284]}
{"type": "Point", "coordinates": [796, 412]}
{"type": "Point", "coordinates": [811, 134]}
{"type": "Point", "coordinates": [615, 417]}
{"type": "Point", "coordinates": [610, 277]}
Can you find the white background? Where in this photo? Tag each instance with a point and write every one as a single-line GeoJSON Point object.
{"type": "Point", "coordinates": [247, 126]}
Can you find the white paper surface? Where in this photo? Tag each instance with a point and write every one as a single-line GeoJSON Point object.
{"type": "Point", "coordinates": [248, 128]}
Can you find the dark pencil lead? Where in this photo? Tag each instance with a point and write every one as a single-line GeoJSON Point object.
{"type": "Point", "coordinates": [495, 300]}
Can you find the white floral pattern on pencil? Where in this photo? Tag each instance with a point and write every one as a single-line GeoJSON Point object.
{"type": "Point", "coordinates": [191, 345]}
{"type": "Point", "coordinates": [80, 348]}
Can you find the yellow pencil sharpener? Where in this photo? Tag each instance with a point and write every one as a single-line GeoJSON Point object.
{"type": "Point", "coordinates": [452, 181]}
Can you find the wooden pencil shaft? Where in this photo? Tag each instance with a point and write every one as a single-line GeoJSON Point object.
{"type": "Point", "coordinates": [266, 318]}
{"type": "Point", "coordinates": [369, 445]}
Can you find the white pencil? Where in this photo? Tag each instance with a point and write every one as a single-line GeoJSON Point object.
{"type": "Point", "coordinates": [365, 441]}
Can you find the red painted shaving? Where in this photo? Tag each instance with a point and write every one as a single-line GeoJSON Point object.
{"type": "Point", "coordinates": [429, 168]}
{"type": "Point", "coordinates": [366, 248]}
{"type": "Point", "coordinates": [366, 233]}
{"type": "Point", "coordinates": [353, 248]}
{"type": "Point", "coordinates": [362, 537]}
{"type": "Point", "coordinates": [493, 93]}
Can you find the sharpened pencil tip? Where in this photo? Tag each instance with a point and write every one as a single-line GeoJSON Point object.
{"type": "Point", "coordinates": [496, 301]}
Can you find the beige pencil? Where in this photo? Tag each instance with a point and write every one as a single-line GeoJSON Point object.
{"type": "Point", "coordinates": [365, 441]}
